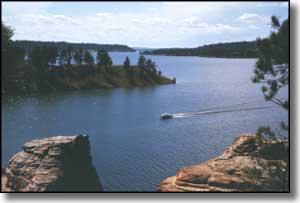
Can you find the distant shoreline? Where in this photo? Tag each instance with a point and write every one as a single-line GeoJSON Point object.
{"type": "Point", "coordinates": [218, 57]}
{"type": "Point", "coordinates": [221, 50]}
{"type": "Point", "coordinates": [28, 45]}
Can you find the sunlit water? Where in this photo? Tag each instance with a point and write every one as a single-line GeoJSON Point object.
{"type": "Point", "coordinates": [132, 149]}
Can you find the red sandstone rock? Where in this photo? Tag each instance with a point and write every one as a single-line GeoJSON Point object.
{"type": "Point", "coordinates": [244, 166]}
{"type": "Point", "coordinates": [60, 163]}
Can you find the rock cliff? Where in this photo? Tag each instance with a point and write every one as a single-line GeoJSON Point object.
{"type": "Point", "coordinates": [246, 165]}
{"type": "Point", "coordinates": [60, 163]}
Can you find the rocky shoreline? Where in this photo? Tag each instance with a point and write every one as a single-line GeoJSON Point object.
{"type": "Point", "coordinates": [60, 163]}
{"type": "Point", "coordinates": [246, 166]}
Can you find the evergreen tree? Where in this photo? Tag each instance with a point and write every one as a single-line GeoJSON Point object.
{"type": "Point", "coordinates": [78, 56]}
{"type": "Point", "coordinates": [81, 54]}
{"type": "Point", "coordinates": [126, 62]}
{"type": "Point", "coordinates": [35, 57]}
{"type": "Point", "coordinates": [103, 58]}
{"type": "Point", "coordinates": [62, 57]}
{"type": "Point", "coordinates": [69, 55]}
{"type": "Point", "coordinates": [40, 58]}
{"type": "Point", "coordinates": [272, 69]}
{"type": "Point", "coordinates": [52, 55]}
{"type": "Point", "coordinates": [7, 33]}
{"type": "Point", "coordinates": [99, 57]}
{"type": "Point", "coordinates": [12, 56]}
{"type": "Point", "coordinates": [149, 63]}
{"type": "Point", "coordinates": [142, 61]}
{"type": "Point", "coordinates": [88, 58]}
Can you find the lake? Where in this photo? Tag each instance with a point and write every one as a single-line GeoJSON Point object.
{"type": "Point", "coordinates": [132, 149]}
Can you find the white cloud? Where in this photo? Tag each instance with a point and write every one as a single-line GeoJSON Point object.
{"type": "Point", "coordinates": [253, 18]}
{"type": "Point", "coordinates": [112, 28]}
{"type": "Point", "coordinates": [192, 20]}
{"type": "Point", "coordinates": [169, 24]}
{"type": "Point", "coordinates": [62, 17]}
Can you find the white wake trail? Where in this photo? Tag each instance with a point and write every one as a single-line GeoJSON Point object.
{"type": "Point", "coordinates": [189, 114]}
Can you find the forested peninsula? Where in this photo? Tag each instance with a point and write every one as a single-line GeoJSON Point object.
{"type": "Point", "coordinates": [49, 68]}
{"type": "Point", "coordinates": [220, 50]}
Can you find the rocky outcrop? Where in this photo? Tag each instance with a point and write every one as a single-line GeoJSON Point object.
{"type": "Point", "coordinates": [246, 165]}
{"type": "Point", "coordinates": [60, 163]}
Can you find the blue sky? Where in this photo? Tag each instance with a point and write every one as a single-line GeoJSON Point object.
{"type": "Point", "coordinates": [142, 24]}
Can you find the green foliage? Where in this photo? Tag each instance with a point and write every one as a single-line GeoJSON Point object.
{"type": "Point", "coordinates": [36, 58]}
{"type": "Point", "coordinates": [151, 66]}
{"type": "Point", "coordinates": [272, 69]}
{"type": "Point", "coordinates": [29, 45]}
{"type": "Point", "coordinates": [103, 58]}
{"type": "Point", "coordinates": [142, 61]}
{"type": "Point", "coordinates": [42, 57]}
{"type": "Point", "coordinates": [88, 58]}
{"type": "Point", "coordinates": [62, 57]}
{"type": "Point", "coordinates": [150, 63]}
{"type": "Point", "coordinates": [69, 55]}
{"type": "Point", "coordinates": [126, 62]}
{"type": "Point", "coordinates": [265, 132]}
{"type": "Point", "coordinates": [275, 22]}
{"type": "Point", "coordinates": [12, 56]}
{"type": "Point", "coordinates": [7, 33]}
{"type": "Point", "coordinates": [78, 56]}
{"type": "Point", "coordinates": [52, 55]}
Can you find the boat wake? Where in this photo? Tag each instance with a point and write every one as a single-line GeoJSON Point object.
{"type": "Point", "coordinates": [189, 114]}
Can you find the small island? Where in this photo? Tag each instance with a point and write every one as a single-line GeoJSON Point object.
{"type": "Point", "coordinates": [48, 69]}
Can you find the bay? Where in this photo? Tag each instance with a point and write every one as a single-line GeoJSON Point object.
{"type": "Point", "coordinates": [132, 149]}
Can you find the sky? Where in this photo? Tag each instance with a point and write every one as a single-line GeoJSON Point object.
{"type": "Point", "coordinates": [142, 24]}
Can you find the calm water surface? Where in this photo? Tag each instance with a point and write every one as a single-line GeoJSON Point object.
{"type": "Point", "coordinates": [132, 149]}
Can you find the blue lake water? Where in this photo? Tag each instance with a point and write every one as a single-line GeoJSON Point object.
{"type": "Point", "coordinates": [132, 149]}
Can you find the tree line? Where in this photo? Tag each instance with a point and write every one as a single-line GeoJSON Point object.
{"type": "Point", "coordinates": [226, 50]}
{"type": "Point", "coordinates": [38, 64]}
{"type": "Point", "coordinates": [51, 57]}
{"type": "Point", "coordinates": [28, 45]}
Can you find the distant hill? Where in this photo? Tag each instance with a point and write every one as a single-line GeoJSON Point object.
{"type": "Point", "coordinates": [221, 50]}
{"type": "Point", "coordinates": [28, 45]}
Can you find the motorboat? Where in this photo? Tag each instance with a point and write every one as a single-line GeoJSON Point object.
{"type": "Point", "coordinates": [166, 116]}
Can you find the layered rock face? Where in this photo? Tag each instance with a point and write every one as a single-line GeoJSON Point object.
{"type": "Point", "coordinates": [245, 166]}
{"type": "Point", "coordinates": [60, 163]}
